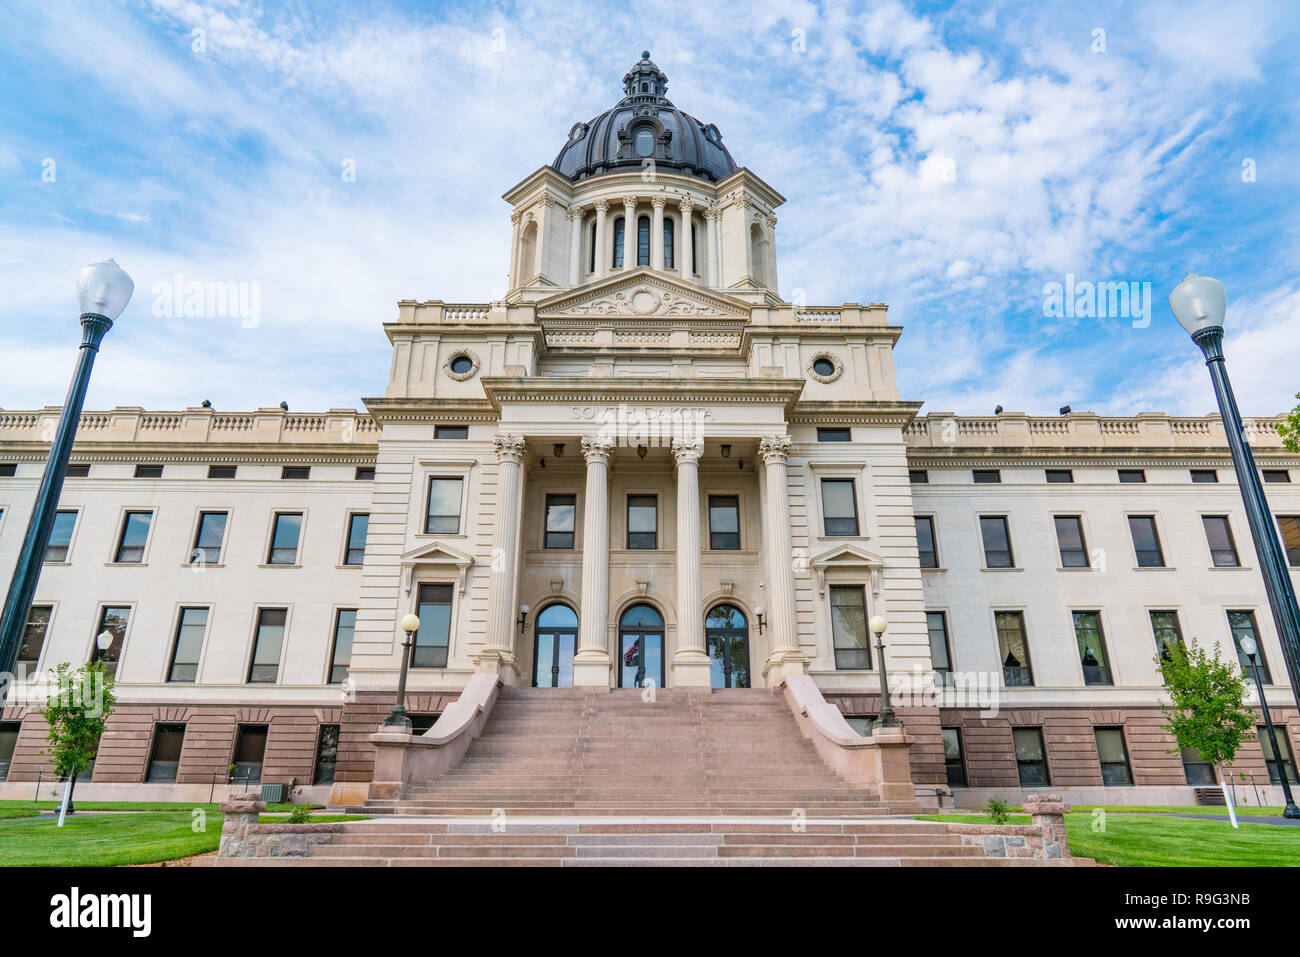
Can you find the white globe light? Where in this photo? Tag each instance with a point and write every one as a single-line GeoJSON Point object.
{"type": "Point", "coordinates": [1199, 302]}
{"type": "Point", "coordinates": [877, 625]}
{"type": "Point", "coordinates": [104, 639]}
{"type": "Point", "coordinates": [410, 623]}
{"type": "Point", "coordinates": [1248, 646]}
{"type": "Point", "coordinates": [104, 289]}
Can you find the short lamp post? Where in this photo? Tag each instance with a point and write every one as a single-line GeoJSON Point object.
{"type": "Point", "coordinates": [1200, 304]}
{"type": "Point", "coordinates": [1250, 646]}
{"type": "Point", "coordinates": [398, 718]}
{"type": "Point", "coordinates": [103, 290]}
{"type": "Point", "coordinates": [887, 717]}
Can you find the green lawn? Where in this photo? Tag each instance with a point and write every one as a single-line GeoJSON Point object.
{"type": "Point", "coordinates": [33, 807]}
{"type": "Point", "coordinates": [1149, 840]}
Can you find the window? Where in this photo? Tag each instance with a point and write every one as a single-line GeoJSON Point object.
{"type": "Point", "coordinates": [135, 534]}
{"type": "Point", "coordinates": [8, 743]}
{"type": "Point", "coordinates": [222, 471]}
{"type": "Point", "coordinates": [823, 366]}
{"type": "Point", "coordinates": [1242, 624]}
{"type": "Point", "coordinates": [561, 516]}
{"type": "Point", "coordinates": [1277, 764]}
{"type": "Point", "coordinates": [1113, 754]}
{"type": "Point", "coordinates": [444, 506]}
{"type": "Point", "coordinates": [250, 750]}
{"type": "Point", "coordinates": [461, 365]}
{"type": "Point", "coordinates": [421, 723]}
{"type": "Point", "coordinates": [1164, 627]}
{"type": "Point", "coordinates": [669, 227]}
{"type": "Point", "coordinates": [834, 435]}
{"type": "Point", "coordinates": [695, 245]}
{"type": "Point", "coordinates": [1059, 476]}
{"type": "Point", "coordinates": [592, 267]}
{"type": "Point", "coordinates": [358, 525]}
{"type": "Point", "coordinates": [1031, 758]}
{"type": "Point", "coordinates": [1146, 541]}
{"type": "Point", "coordinates": [954, 761]}
{"type": "Point", "coordinates": [1289, 525]}
{"type": "Point", "coordinates": [619, 241]}
{"type": "Point", "coordinates": [29, 648]}
{"type": "Point", "coordinates": [327, 754]}
{"type": "Point", "coordinates": [926, 548]}
{"type": "Point", "coordinates": [643, 241]}
{"type": "Point", "coordinates": [918, 476]}
{"type": "Point", "coordinates": [165, 756]}
{"type": "Point", "coordinates": [997, 542]}
{"type": "Point", "coordinates": [849, 627]}
{"type": "Point", "coordinates": [345, 626]}
{"type": "Point", "coordinates": [295, 472]}
{"type": "Point", "coordinates": [112, 620]}
{"type": "Point", "coordinates": [724, 522]}
{"type": "Point", "coordinates": [148, 471]}
{"type": "Point", "coordinates": [285, 533]}
{"type": "Point", "coordinates": [451, 431]}
{"type": "Point", "coordinates": [1092, 648]}
{"type": "Point", "coordinates": [1013, 649]}
{"type": "Point", "coordinates": [60, 537]}
{"type": "Point", "coordinates": [1223, 551]}
{"type": "Point", "coordinates": [936, 623]}
{"type": "Point", "coordinates": [645, 138]}
{"type": "Point", "coordinates": [8, 469]}
{"type": "Point", "coordinates": [1276, 475]}
{"type": "Point", "coordinates": [365, 473]}
{"type": "Point", "coordinates": [1199, 771]}
{"type": "Point", "coordinates": [862, 724]}
{"type": "Point", "coordinates": [839, 507]}
{"type": "Point", "coordinates": [1134, 476]}
{"type": "Point", "coordinates": [986, 476]}
{"type": "Point", "coordinates": [77, 471]}
{"type": "Point", "coordinates": [207, 542]}
{"type": "Point", "coordinates": [1069, 538]}
{"type": "Point", "coordinates": [190, 626]}
{"type": "Point", "coordinates": [643, 521]}
{"type": "Point", "coordinates": [265, 665]}
{"type": "Point", "coordinates": [433, 638]}
{"type": "Point", "coordinates": [1205, 475]}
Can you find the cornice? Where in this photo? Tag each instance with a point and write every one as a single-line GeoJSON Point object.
{"type": "Point", "coordinates": [784, 392]}
{"type": "Point", "coordinates": [880, 412]}
{"type": "Point", "coordinates": [201, 452]}
{"type": "Point", "coordinates": [429, 409]}
{"type": "Point", "coordinates": [1083, 457]}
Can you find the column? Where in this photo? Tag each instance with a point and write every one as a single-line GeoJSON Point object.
{"type": "Point", "coordinates": [711, 217]}
{"type": "Point", "coordinates": [575, 246]}
{"type": "Point", "coordinates": [685, 243]}
{"type": "Point", "coordinates": [657, 234]}
{"type": "Point", "coordinates": [690, 661]}
{"type": "Point", "coordinates": [515, 217]}
{"type": "Point", "coordinates": [629, 232]}
{"type": "Point", "coordinates": [591, 663]}
{"type": "Point", "coordinates": [784, 657]}
{"type": "Point", "coordinates": [601, 206]}
{"type": "Point", "coordinates": [498, 654]}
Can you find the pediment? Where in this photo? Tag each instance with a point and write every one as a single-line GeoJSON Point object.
{"type": "Point", "coordinates": [435, 553]}
{"type": "Point", "coordinates": [847, 556]}
{"type": "Point", "coordinates": [641, 294]}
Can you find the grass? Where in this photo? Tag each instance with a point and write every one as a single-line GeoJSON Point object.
{"type": "Point", "coordinates": [26, 808]}
{"type": "Point", "coordinates": [1148, 840]}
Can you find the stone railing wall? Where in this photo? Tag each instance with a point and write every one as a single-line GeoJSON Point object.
{"type": "Point", "coordinates": [243, 836]}
{"type": "Point", "coordinates": [135, 425]}
{"type": "Point", "coordinates": [1043, 838]}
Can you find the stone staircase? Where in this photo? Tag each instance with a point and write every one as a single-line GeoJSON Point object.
{"type": "Point", "coordinates": [575, 752]}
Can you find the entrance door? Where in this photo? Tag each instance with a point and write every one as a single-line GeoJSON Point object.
{"type": "Point", "coordinates": [641, 648]}
{"type": "Point", "coordinates": [726, 634]}
{"type": "Point", "coordinates": [557, 639]}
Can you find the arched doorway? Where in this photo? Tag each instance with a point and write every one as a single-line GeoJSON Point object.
{"type": "Point", "coordinates": [726, 634]}
{"type": "Point", "coordinates": [640, 647]}
{"type": "Point", "coordinates": [557, 639]}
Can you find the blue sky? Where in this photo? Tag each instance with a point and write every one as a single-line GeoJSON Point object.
{"type": "Point", "coordinates": [949, 159]}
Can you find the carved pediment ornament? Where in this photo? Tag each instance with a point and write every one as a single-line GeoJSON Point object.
{"type": "Point", "coordinates": [641, 301]}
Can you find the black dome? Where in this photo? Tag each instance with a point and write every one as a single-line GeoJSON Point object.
{"type": "Point", "coordinates": [645, 125]}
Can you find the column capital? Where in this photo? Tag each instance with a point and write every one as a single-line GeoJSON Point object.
{"type": "Point", "coordinates": [629, 201]}
{"type": "Point", "coordinates": [573, 212]}
{"type": "Point", "coordinates": [713, 212]}
{"type": "Point", "coordinates": [686, 205]}
{"type": "Point", "coordinates": [516, 216]}
{"type": "Point", "coordinates": [658, 202]}
{"type": "Point", "coordinates": [688, 452]}
{"type": "Point", "coordinates": [597, 449]}
{"type": "Point", "coordinates": [774, 448]}
{"type": "Point", "coordinates": [600, 205]}
{"type": "Point", "coordinates": [509, 448]}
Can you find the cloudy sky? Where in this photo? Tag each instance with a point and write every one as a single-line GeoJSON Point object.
{"type": "Point", "coordinates": [951, 160]}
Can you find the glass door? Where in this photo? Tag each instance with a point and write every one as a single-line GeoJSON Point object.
{"type": "Point", "coordinates": [726, 634]}
{"type": "Point", "coordinates": [641, 648]}
{"type": "Point", "coordinates": [557, 640]}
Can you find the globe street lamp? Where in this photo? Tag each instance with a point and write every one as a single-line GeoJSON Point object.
{"type": "Point", "coordinates": [103, 291]}
{"type": "Point", "coordinates": [1249, 646]}
{"type": "Point", "coordinates": [1199, 303]}
{"type": "Point", "coordinates": [398, 719]}
{"type": "Point", "coordinates": [887, 717]}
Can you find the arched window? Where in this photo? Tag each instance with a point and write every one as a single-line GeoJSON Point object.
{"type": "Point", "coordinates": [557, 640]}
{"type": "Point", "coordinates": [641, 647]}
{"type": "Point", "coordinates": [668, 243]}
{"type": "Point", "coordinates": [618, 242]}
{"type": "Point", "coordinates": [727, 637]}
{"type": "Point", "coordinates": [643, 241]}
{"type": "Point", "coordinates": [695, 255]}
{"type": "Point", "coordinates": [593, 248]}
{"type": "Point", "coordinates": [645, 142]}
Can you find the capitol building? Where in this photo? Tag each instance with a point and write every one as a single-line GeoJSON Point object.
{"type": "Point", "coordinates": [642, 471]}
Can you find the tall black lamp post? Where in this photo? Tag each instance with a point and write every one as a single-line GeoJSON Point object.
{"type": "Point", "coordinates": [103, 291]}
{"type": "Point", "coordinates": [1200, 303]}
{"type": "Point", "coordinates": [1250, 646]}
{"type": "Point", "coordinates": [887, 717]}
{"type": "Point", "coordinates": [398, 719]}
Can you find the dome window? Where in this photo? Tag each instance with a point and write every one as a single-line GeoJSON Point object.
{"type": "Point", "coordinates": [824, 367]}
{"type": "Point", "coordinates": [645, 142]}
{"type": "Point", "coordinates": [461, 365]}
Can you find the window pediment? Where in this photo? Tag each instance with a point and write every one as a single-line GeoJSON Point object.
{"type": "Point", "coordinates": [437, 554]}
{"type": "Point", "coordinates": [847, 558]}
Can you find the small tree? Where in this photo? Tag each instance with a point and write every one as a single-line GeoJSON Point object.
{"type": "Point", "coordinates": [76, 709]}
{"type": "Point", "coordinates": [1290, 429]}
{"type": "Point", "coordinates": [1207, 709]}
